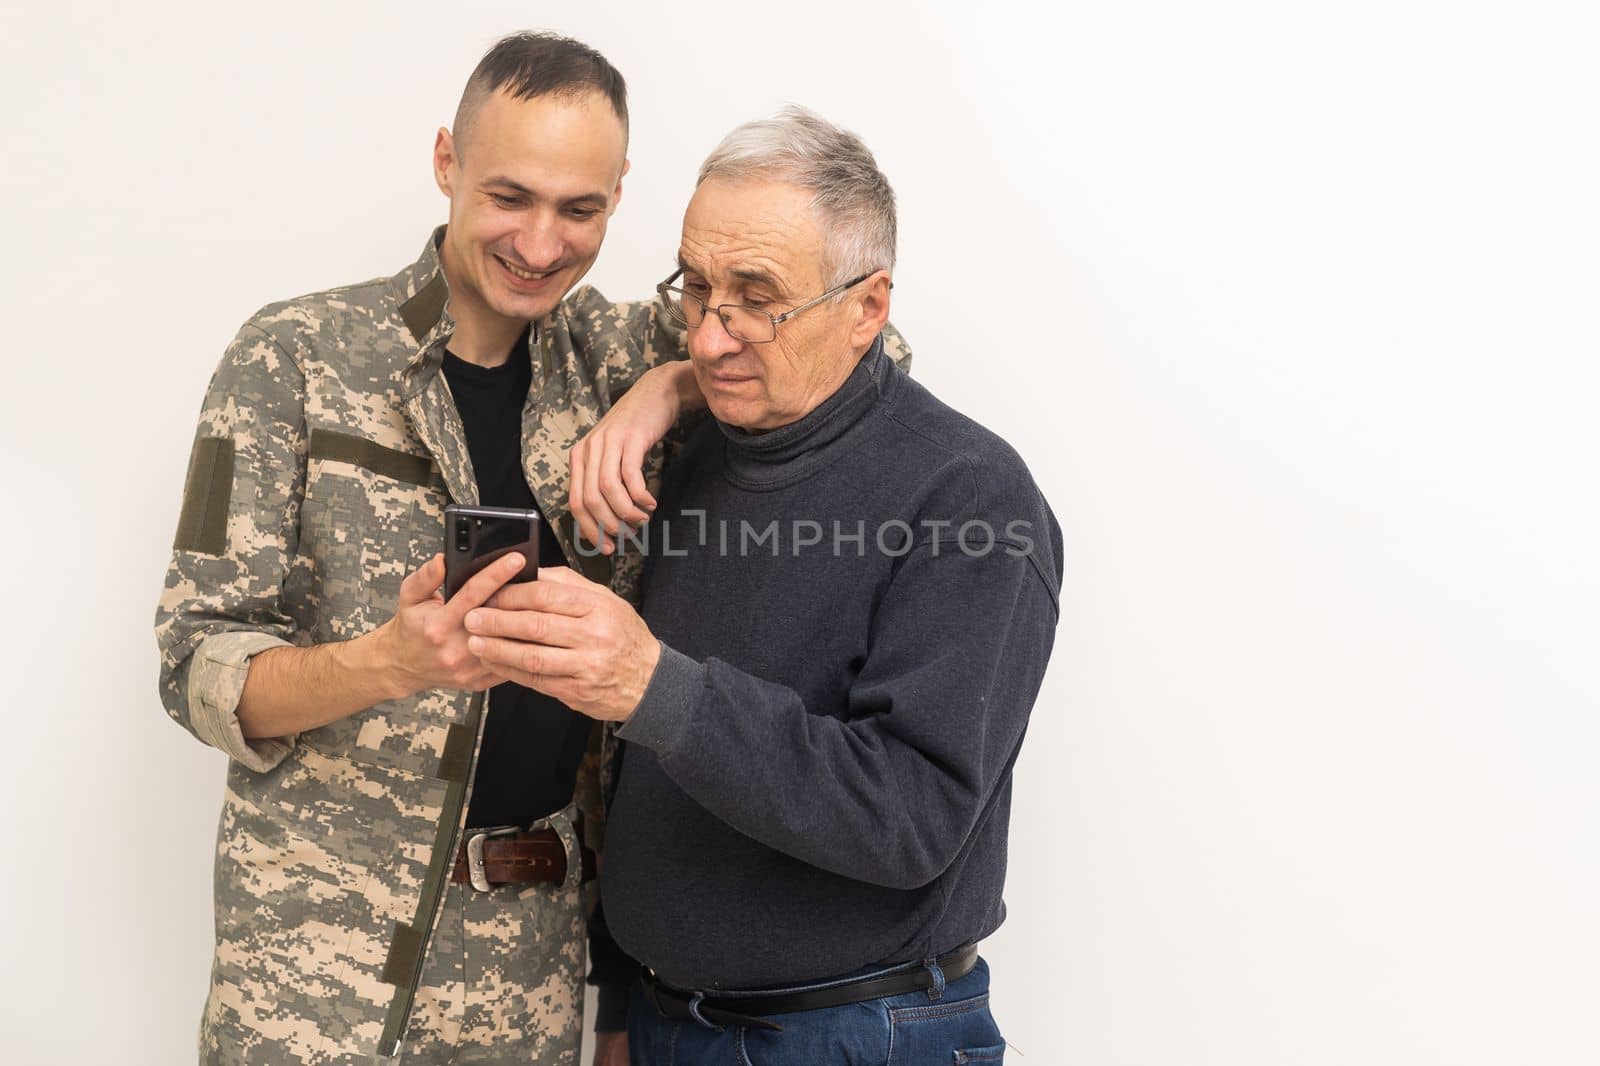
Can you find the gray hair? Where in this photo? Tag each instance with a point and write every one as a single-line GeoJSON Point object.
{"type": "Point", "coordinates": [854, 199]}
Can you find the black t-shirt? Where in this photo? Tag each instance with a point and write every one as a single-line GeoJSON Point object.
{"type": "Point", "coordinates": [532, 744]}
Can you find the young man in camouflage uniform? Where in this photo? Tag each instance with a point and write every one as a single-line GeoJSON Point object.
{"type": "Point", "coordinates": [301, 630]}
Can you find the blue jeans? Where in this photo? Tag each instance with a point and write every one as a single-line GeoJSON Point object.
{"type": "Point", "coordinates": [928, 1028]}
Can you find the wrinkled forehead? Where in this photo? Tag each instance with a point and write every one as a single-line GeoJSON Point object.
{"type": "Point", "coordinates": [752, 231]}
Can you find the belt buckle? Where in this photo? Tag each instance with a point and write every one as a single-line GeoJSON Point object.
{"type": "Point", "coordinates": [475, 870]}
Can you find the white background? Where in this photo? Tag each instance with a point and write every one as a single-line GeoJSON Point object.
{"type": "Point", "coordinates": [1290, 307]}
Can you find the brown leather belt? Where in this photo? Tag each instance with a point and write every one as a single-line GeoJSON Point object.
{"type": "Point", "coordinates": [512, 856]}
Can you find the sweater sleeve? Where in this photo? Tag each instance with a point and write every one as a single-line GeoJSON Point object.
{"type": "Point", "coordinates": [888, 791]}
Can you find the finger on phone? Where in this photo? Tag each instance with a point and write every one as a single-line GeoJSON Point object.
{"type": "Point", "coordinates": [536, 659]}
{"type": "Point", "coordinates": [564, 575]}
{"type": "Point", "coordinates": [551, 596]}
{"type": "Point", "coordinates": [485, 583]}
{"type": "Point", "coordinates": [529, 627]}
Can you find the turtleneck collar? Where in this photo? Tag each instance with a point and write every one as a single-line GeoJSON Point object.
{"type": "Point", "coordinates": [789, 453]}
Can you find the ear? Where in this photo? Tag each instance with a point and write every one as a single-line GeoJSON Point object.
{"type": "Point", "coordinates": [616, 194]}
{"type": "Point", "coordinates": [444, 158]}
{"type": "Point", "coordinates": [872, 309]}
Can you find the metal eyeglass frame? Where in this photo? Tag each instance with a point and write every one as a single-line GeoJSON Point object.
{"type": "Point", "coordinates": [776, 320]}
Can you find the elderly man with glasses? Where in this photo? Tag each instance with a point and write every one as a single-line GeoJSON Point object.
{"type": "Point", "coordinates": [849, 601]}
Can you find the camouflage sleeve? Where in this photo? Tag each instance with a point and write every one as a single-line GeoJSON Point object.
{"type": "Point", "coordinates": [620, 341]}
{"type": "Point", "coordinates": [222, 602]}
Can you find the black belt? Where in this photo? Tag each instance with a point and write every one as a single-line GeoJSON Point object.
{"type": "Point", "coordinates": [733, 1008]}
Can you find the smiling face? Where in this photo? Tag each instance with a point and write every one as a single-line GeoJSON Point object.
{"type": "Point", "coordinates": [532, 184]}
{"type": "Point", "coordinates": [759, 243]}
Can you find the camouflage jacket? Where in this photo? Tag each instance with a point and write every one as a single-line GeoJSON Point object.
{"type": "Point", "coordinates": [328, 445]}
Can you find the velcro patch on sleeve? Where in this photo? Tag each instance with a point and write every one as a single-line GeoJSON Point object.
{"type": "Point", "coordinates": [203, 523]}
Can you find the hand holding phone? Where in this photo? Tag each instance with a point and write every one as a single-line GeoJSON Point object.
{"type": "Point", "coordinates": [474, 537]}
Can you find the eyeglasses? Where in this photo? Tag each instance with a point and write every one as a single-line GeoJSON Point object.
{"type": "Point", "coordinates": [742, 323]}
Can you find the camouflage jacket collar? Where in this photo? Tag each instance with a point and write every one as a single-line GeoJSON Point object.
{"type": "Point", "coordinates": [423, 297]}
{"type": "Point", "coordinates": [422, 293]}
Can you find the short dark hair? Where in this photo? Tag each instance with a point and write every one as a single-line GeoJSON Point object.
{"type": "Point", "coordinates": [527, 65]}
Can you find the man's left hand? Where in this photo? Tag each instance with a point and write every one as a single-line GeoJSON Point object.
{"type": "Point", "coordinates": [570, 638]}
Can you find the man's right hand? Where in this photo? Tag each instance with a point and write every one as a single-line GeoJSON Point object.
{"type": "Point", "coordinates": [289, 690]}
{"type": "Point", "coordinates": [425, 642]}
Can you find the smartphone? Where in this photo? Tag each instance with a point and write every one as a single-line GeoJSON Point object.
{"type": "Point", "coordinates": [474, 537]}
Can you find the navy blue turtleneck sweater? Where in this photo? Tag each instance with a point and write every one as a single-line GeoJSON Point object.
{"type": "Point", "coordinates": [855, 613]}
